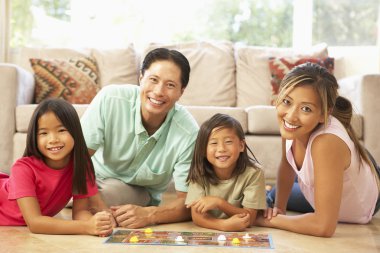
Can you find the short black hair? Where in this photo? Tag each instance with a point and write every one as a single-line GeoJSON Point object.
{"type": "Point", "coordinates": [175, 56]}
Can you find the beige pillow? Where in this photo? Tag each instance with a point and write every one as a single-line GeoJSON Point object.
{"type": "Point", "coordinates": [252, 71]}
{"type": "Point", "coordinates": [212, 75]}
{"type": "Point", "coordinates": [117, 66]}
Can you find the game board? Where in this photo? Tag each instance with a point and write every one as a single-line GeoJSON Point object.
{"type": "Point", "coordinates": [168, 238]}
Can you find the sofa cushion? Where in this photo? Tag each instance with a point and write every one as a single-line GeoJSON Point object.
{"type": "Point", "coordinates": [212, 75]}
{"type": "Point", "coordinates": [252, 72]}
{"type": "Point", "coordinates": [117, 66]}
{"type": "Point", "coordinates": [203, 113]}
{"type": "Point", "coordinates": [75, 79]}
{"type": "Point", "coordinates": [24, 114]}
{"type": "Point", "coordinates": [280, 66]}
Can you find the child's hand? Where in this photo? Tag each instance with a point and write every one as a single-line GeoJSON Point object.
{"type": "Point", "coordinates": [101, 224]}
{"type": "Point", "coordinates": [237, 222]}
{"type": "Point", "coordinates": [205, 204]}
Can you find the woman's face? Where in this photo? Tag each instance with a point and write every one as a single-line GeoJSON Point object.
{"type": "Point", "coordinates": [299, 113]}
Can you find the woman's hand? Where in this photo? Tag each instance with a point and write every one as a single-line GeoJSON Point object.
{"type": "Point", "coordinates": [237, 222]}
{"type": "Point", "coordinates": [272, 212]}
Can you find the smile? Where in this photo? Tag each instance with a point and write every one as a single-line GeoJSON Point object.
{"type": "Point", "coordinates": [156, 102]}
{"type": "Point", "coordinates": [222, 158]}
{"type": "Point", "coordinates": [290, 126]}
{"type": "Point", "coordinates": [55, 148]}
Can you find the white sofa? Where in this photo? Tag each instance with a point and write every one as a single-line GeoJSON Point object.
{"type": "Point", "coordinates": [225, 77]}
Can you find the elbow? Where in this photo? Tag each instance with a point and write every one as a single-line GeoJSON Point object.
{"type": "Point", "coordinates": [325, 230]}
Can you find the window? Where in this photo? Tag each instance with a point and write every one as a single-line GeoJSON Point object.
{"type": "Point", "coordinates": [113, 23]}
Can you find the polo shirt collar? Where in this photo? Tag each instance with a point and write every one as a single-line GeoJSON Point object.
{"type": "Point", "coordinates": [139, 127]}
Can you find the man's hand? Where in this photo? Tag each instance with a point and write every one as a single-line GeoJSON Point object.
{"type": "Point", "coordinates": [132, 216]}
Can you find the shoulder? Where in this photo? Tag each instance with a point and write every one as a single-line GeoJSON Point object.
{"type": "Point", "coordinates": [183, 120]}
{"type": "Point", "coordinates": [117, 91]}
{"type": "Point", "coordinates": [26, 165]}
{"type": "Point", "coordinates": [252, 173]}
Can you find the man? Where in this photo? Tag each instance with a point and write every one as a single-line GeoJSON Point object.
{"type": "Point", "coordinates": [140, 139]}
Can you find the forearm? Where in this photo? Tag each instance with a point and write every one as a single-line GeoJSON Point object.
{"type": "Point", "coordinates": [207, 221]}
{"type": "Point", "coordinates": [51, 225]}
{"type": "Point", "coordinates": [285, 181]}
{"type": "Point", "coordinates": [229, 209]}
{"type": "Point", "coordinates": [175, 211]}
{"type": "Point", "coordinates": [308, 224]}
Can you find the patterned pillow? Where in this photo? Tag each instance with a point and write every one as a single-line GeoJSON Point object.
{"type": "Point", "coordinates": [279, 67]}
{"type": "Point", "coordinates": [75, 80]}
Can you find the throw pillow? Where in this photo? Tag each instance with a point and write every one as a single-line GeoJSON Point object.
{"type": "Point", "coordinates": [279, 67]}
{"type": "Point", "coordinates": [75, 80]}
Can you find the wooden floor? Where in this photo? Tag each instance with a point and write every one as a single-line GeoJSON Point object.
{"type": "Point", "coordinates": [348, 238]}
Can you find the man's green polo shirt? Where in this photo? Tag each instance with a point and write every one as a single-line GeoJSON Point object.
{"type": "Point", "coordinates": [112, 125]}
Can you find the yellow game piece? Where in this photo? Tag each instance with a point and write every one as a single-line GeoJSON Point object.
{"type": "Point", "coordinates": [235, 241]}
{"type": "Point", "coordinates": [148, 231]}
{"type": "Point", "coordinates": [134, 239]}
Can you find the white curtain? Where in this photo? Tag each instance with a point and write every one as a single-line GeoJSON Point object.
{"type": "Point", "coordinates": [4, 29]}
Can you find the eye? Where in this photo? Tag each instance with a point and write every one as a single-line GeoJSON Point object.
{"type": "Point", "coordinates": [171, 85]}
{"type": "Point", "coordinates": [42, 133]}
{"type": "Point", "coordinates": [228, 141]}
{"type": "Point", "coordinates": [286, 101]}
{"type": "Point", "coordinates": [62, 130]}
{"type": "Point", "coordinates": [153, 79]}
{"type": "Point", "coordinates": [212, 143]}
{"type": "Point", "coordinates": [306, 109]}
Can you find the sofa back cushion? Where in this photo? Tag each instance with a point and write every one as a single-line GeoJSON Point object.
{"type": "Point", "coordinates": [212, 75]}
{"type": "Point", "coordinates": [116, 66]}
{"type": "Point", "coordinates": [253, 85]}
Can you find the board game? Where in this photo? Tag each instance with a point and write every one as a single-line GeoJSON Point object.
{"type": "Point", "coordinates": [177, 238]}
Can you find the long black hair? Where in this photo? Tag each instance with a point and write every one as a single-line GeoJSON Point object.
{"type": "Point", "coordinates": [201, 170]}
{"type": "Point", "coordinates": [65, 112]}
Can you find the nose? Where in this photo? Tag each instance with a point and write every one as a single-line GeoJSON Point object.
{"type": "Point", "coordinates": [292, 114]}
{"type": "Point", "coordinates": [159, 88]}
{"type": "Point", "coordinates": [220, 147]}
{"type": "Point", "coordinates": [53, 138]}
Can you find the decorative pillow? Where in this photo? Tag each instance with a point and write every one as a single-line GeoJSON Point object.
{"type": "Point", "coordinates": [279, 67]}
{"type": "Point", "coordinates": [75, 80]}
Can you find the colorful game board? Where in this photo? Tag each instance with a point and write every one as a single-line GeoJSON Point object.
{"type": "Point", "coordinates": [168, 238]}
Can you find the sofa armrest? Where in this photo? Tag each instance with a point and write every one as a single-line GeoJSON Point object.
{"type": "Point", "coordinates": [16, 87]}
{"type": "Point", "coordinates": [364, 93]}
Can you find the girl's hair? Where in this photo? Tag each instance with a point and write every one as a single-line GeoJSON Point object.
{"type": "Point", "coordinates": [65, 112]}
{"type": "Point", "coordinates": [326, 86]}
{"type": "Point", "coordinates": [201, 170]}
{"type": "Point", "coordinates": [178, 58]}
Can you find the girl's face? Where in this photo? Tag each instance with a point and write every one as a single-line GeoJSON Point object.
{"type": "Point", "coordinates": [223, 150]}
{"type": "Point", "coordinates": [54, 141]}
{"type": "Point", "coordinates": [299, 113]}
{"type": "Point", "coordinates": [161, 88]}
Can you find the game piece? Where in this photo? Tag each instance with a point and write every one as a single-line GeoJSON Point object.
{"type": "Point", "coordinates": [179, 239]}
{"type": "Point", "coordinates": [235, 241]}
{"type": "Point", "coordinates": [134, 239]}
{"type": "Point", "coordinates": [247, 236]}
{"type": "Point", "coordinates": [222, 238]}
{"type": "Point", "coordinates": [148, 231]}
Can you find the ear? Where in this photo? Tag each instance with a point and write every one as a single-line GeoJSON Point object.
{"type": "Point", "coordinates": [242, 146]}
{"type": "Point", "coordinates": [141, 76]}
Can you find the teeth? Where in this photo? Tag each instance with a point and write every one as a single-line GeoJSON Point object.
{"type": "Point", "coordinates": [155, 101]}
{"type": "Point", "coordinates": [222, 158]}
{"type": "Point", "coordinates": [289, 125]}
{"type": "Point", "coordinates": [55, 148]}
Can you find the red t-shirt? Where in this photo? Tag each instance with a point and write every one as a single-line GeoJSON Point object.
{"type": "Point", "coordinates": [31, 177]}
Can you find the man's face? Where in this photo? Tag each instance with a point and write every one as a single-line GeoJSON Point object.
{"type": "Point", "coordinates": [161, 88]}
